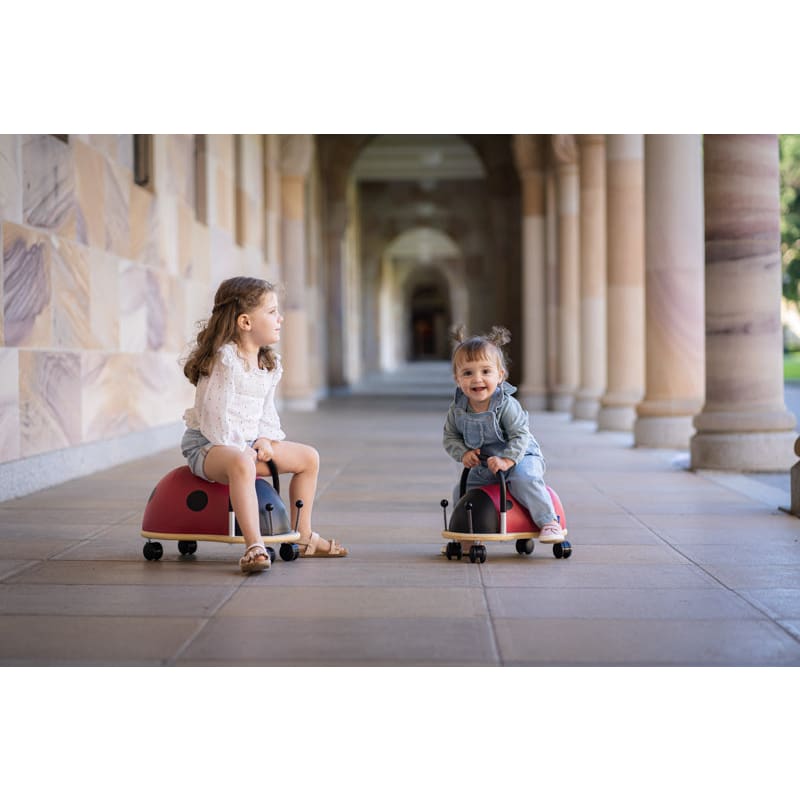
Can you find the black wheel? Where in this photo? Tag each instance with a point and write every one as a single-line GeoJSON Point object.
{"type": "Point", "coordinates": [524, 546]}
{"type": "Point", "coordinates": [562, 549]}
{"type": "Point", "coordinates": [453, 550]}
{"type": "Point", "coordinates": [477, 553]}
{"type": "Point", "coordinates": [289, 551]}
{"type": "Point", "coordinates": [271, 553]}
{"type": "Point", "coordinates": [153, 551]}
{"type": "Point", "coordinates": [187, 548]}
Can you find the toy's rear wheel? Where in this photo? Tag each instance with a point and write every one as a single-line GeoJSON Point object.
{"type": "Point", "coordinates": [453, 551]}
{"type": "Point", "coordinates": [289, 551]}
{"type": "Point", "coordinates": [477, 553]}
{"type": "Point", "coordinates": [187, 548]}
{"type": "Point", "coordinates": [524, 546]}
{"type": "Point", "coordinates": [152, 551]}
{"type": "Point", "coordinates": [562, 549]}
{"type": "Point", "coordinates": [271, 553]}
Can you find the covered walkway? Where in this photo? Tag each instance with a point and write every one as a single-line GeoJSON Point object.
{"type": "Point", "coordinates": [669, 567]}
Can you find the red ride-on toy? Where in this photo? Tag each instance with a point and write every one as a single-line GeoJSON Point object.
{"type": "Point", "coordinates": [189, 510]}
{"type": "Point", "coordinates": [491, 514]}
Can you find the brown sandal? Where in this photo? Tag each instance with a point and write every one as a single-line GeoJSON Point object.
{"type": "Point", "coordinates": [250, 562]}
{"type": "Point", "coordinates": [336, 551]}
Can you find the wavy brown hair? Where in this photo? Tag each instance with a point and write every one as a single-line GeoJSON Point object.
{"type": "Point", "coordinates": [235, 296]}
{"type": "Point", "coordinates": [473, 348]}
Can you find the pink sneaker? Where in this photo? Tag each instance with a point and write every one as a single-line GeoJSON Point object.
{"type": "Point", "coordinates": [551, 533]}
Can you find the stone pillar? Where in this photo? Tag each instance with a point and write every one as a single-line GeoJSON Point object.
{"type": "Point", "coordinates": [551, 281]}
{"type": "Point", "coordinates": [625, 279]}
{"type": "Point", "coordinates": [744, 424]}
{"type": "Point", "coordinates": [296, 152]}
{"type": "Point", "coordinates": [529, 156]}
{"type": "Point", "coordinates": [674, 291]}
{"type": "Point", "coordinates": [568, 366]}
{"type": "Point", "coordinates": [272, 203]}
{"type": "Point", "coordinates": [592, 276]}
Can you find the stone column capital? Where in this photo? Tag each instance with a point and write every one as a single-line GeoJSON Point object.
{"type": "Point", "coordinates": [296, 152]}
{"type": "Point", "coordinates": [589, 139]}
{"type": "Point", "coordinates": [564, 149]}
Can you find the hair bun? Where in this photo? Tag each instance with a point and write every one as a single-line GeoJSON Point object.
{"type": "Point", "coordinates": [499, 335]}
{"type": "Point", "coordinates": [458, 333]}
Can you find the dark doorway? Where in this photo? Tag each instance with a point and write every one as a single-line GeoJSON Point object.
{"type": "Point", "coordinates": [430, 321]}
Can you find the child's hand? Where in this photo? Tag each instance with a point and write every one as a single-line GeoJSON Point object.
{"type": "Point", "coordinates": [263, 448]}
{"type": "Point", "coordinates": [498, 463]}
{"type": "Point", "coordinates": [471, 458]}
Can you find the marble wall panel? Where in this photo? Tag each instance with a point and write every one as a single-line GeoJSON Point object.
{"type": "Point", "coordinates": [106, 395]}
{"type": "Point", "coordinates": [168, 232]}
{"type": "Point", "coordinates": [174, 166]}
{"type": "Point", "coordinates": [104, 300]}
{"type": "Point", "coordinates": [198, 302]}
{"type": "Point", "coordinates": [145, 227]}
{"type": "Point", "coordinates": [90, 189]}
{"type": "Point", "coordinates": [10, 178]}
{"type": "Point", "coordinates": [168, 306]}
{"type": "Point", "coordinates": [160, 392]}
{"type": "Point", "coordinates": [223, 256]}
{"type": "Point", "coordinates": [50, 400]}
{"type": "Point", "coordinates": [27, 300]}
{"type": "Point", "coordinates": [222, 202]}
{"type": "Point", "coordinates": [185, 234]}
{"type": "Point", "coordinates": [201, 253]}
{"type": "Point", "coordinates": [132, 307]}
{"type": "Point", "coordinates": [117, 201]}
{"type": "Point", "coordinates": [71, 296]}
{"type": "Point", "coordinates": [48, 196]}
{"type": "Point", "coordinates": [9, 404]}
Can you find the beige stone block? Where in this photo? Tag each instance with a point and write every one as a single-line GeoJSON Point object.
{"type": "Point", "coordinates": [200, 266]}
{"type": "Point", "coordinates": [223, 257]}
{"type": "Point", "coordinates": [10, 178]}
{"type": "Point", "coordinates": [184, 236]}
{"type": "Point", "coordinates": [223, 200]}
{"type": "Point", "coordinates": [104, 299]}
{"type": "Point", "coordinates": [160, 392]}
{"type": "Point", "coordinates": [50, 400]}
{"type": "Point", "coordinates": [132, 307]}
{"type": "Point", "coordinates": [90, 188]}
{"type": "Point", "coordinates": [168, 232]}
{"type": "Point", "coordinates": [108, 144]}
{"type": "Point", "coordinates": [106, 395]}
{"type": "Point", "coordinates": [71, 295]}
{"type": "Point", "coordinates": [118, 183]}
{"type": "Point", "coordinates": [27, 293]}
{"type": "Point", "coordinates": [9, 404]}
{"type": "Point", "coordinates": [145, 227]}
{"type": "Point", "coordinates": [49, 199]}
{"type": "Point", "coordinates": [198, 301]}
{"type": "Point", "coordinates": [221, 148]}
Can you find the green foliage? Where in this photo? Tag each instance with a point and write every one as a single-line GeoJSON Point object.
{"type": "Point", "coordinates": [791, 367]}
{"type": "Point", "coordinates": [790, 214]}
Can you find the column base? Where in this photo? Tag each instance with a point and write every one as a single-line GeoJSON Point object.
{"type": "Point", "coordinates": [563, 402]}
{"type": "Point", "coordinates": [744, 452]}
{"type": "Point", "coordinates": [308, 403]}
{"type": "Point", "coordinates": [670, 433]}
{"type": "Point", "coordinates": [586, 408]}
{"type": "Point", "coordinates": [533, 399]}
{"type": "Point", "coordinates": [616, 418]}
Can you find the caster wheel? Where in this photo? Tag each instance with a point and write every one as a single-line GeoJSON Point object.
{"type": "Point", "coordinates": [153, 551]}
{"type": "Point", "coordinates": [187, 548]}
{"type": "Point", "coordinates": [524, 546]}
{"type": "Point", "coordinates": [562, 549]}
{"type": "Point", "coordinates": [477, 553]}
{"type": "Point", "coordinates": [289, 551]}
{"type": "Point", "coordinates": [271, 553]}
{"type": "Point", "coordinates": [453, 551]}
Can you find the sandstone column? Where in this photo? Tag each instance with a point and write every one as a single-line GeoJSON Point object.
{"type": "Point", "coordinates": [568, 366]}
{"type": "Point", "coordinates": [551, 280]}
{"type": "Point", "coordinates": [625, 279]}
{"type": "Point", "coordinates": [296, 152]}
{"type": "Point", "coordinates": [744, 424]}
{"type": "Point", "coordinates": [674, 291]}
{"type": "Point", "coordinates": [529, 156]}
{"type": "Point", "coordinates": [592, 276]}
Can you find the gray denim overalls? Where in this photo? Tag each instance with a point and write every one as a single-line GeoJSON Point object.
{"type": "Point", "coordinates": [525, 480]}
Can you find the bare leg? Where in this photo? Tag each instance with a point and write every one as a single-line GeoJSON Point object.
{"type": "Point", "coordinates": [237, 469]}
{"type": "Point", "coordinates": [302, 461]}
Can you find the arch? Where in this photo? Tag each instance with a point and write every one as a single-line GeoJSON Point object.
{"type": "Point", "coordinates": [421, 291]}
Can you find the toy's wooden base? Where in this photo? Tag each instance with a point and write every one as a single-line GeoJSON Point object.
{"type": "Point", "coordinates": [455, 536]}
{"type": "Point", "coordinates": [278, 538]}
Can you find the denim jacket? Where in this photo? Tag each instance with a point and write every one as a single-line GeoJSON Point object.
{"type": "Point", "coordinates": [500, 431]}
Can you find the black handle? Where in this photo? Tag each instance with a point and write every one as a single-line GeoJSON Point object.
{"type": "Point", "coordinates": [273, 470]}
{"type": "Point", "coordinates": [501, 473]}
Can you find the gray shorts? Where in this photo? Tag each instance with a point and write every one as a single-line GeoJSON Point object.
{"type": "Point", "coordinates": [195, 447]}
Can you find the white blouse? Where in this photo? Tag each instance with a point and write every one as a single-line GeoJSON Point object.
{"type": "Point", "coordinates": [235, 404]}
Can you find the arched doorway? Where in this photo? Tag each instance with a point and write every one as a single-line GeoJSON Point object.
{"type": "Point", "coordinates": [430, 320]}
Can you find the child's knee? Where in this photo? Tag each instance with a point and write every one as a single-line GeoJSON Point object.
{"type": "Point", "coordinates": [242, 467]}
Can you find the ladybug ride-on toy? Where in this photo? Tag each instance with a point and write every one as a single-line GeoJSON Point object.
{"type": "Point", "coordinates": [189, 510]}
{"type": "Point", "coordinates": [491, 514]}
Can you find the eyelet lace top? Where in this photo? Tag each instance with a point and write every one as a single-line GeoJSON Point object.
{"type": "Point", "coordinates": [236, 404]}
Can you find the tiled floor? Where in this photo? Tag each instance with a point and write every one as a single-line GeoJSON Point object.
{"type": "Point", "coordinates": [669, 567]}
